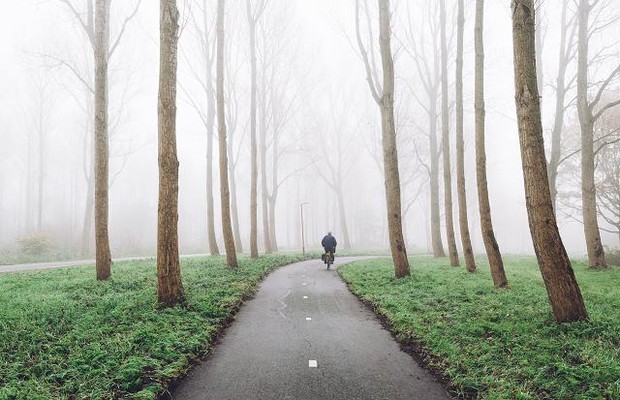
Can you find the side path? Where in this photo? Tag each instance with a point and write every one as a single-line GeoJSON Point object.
{"type": "Point", "coordinates": [74, 263]}
{"type": "Point", "coordinates": [305, 336]}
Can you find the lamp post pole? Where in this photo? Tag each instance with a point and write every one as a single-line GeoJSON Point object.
{"type": "Point", "coordinates": [303, 239]}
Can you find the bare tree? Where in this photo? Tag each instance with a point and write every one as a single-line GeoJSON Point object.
{"type": "Point", "coordinates": [492, 249]}
{"type": "Point", "coordinates": [562, 288]}
{"type": "Point", "coordinates": [95, 23]}
{"type": "Point", "coordinates": [428, 67]}
{"type": "Point", "coordinates": [468, 252]}
{"type": "Point", "coordinates": [383, 94]}
{"type": "Point", "coordinates": [205, 31]}
{"type": "Point", "coordinates": [445, 138]}
{"type": "Point", "coordinates": [590, 111]}
{"type": "Point", "coordinates": [102, 240]}
{"type": "Point", "coordinates": [232, 122]}
{"type": "Point", "coordinates": [608, 187]}
{"type": "Point", "coordinates": [566, 54]}
{"type": "Point", "coordinates": [253, 13]}
{"type": "Point", "coordinates": [338, 158]}
{"type": "Point", "coordinates": [229, 240]}
{"type": "Point", "coordinates": [170, 287]}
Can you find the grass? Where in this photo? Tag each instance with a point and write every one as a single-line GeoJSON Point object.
{"type": "Point", "coordinates": [500, 344]}
{"type": "Point", "coordinates": [65, 336]}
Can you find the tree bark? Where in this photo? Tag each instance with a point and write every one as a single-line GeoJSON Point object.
{"type": "Point", "coordinates": [486, 225]}
{"type": "Point", "coordinates": [102, 38]}
{"type": "Point", "coordinates": [170, 287]}
{"type": "Point", "coordinates": [596, 253]}
{"type": "Point", "coordinates": [445, 138]}
{"type": "Point", "coordinates": [233, 197]}
{"type": "Point", "coordinates": [436, 241]}
{"type": "Point", "coordinates": [229, 240]}
{"type": "Point", "coordinates": [390, 155]}
{"type": "Point", "coordinates": [468, 252]}
{"type": "Point", "coordinates": [263, 160]}
{"type": "Point", "coordinates": [253, 144]}
{"type": "Point", "coordinates": [562, 288]}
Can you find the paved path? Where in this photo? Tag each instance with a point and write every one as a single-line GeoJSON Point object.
{"type": "Point", "coordinates": [305, 336]}
{"type": "Point", "coordinates": [76, 263]}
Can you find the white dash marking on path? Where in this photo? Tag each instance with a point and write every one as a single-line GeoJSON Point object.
{"type": "Point", "coordinates": [308, 319]}
{"type": "Point", "coordinates": [305, 297]}
{"type": "Point", "coordinates": [303, 284]}
{"type": "Point", "coordinates": [312, 364]}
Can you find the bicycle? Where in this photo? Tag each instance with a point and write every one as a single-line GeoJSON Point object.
{"type": "Point", "coordinates": [328, 258]}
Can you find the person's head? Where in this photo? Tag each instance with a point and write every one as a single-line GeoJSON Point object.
{"type": "Point", "coordinates": [329, 233]}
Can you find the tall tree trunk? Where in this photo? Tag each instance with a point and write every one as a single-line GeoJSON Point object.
{"type": "Point", "coordinates": [596, 253]}
{"type": "Point", "coordinates": [29, 188]}
{"type": "Point", "coordinates": [170, 287]}
{"type": "Point", "coordinates": [445, 138]}
{"type": "Point", "coordinates": [213, 247]}
{"type": "Point", "coordinates": [343, 219]}
{"type": "Point", "coordinates": [87, 226]}
{"type": "Point", "coordinates": [229, 240]}
{"type": "Point", "coordinates": [102, 38]}
{"type": "Point", "coordinates": [492, 249]}
{"type": "Point", "coordinates": [274, 187]}
{"type": "Point", "coordinates": [263, 162]}
{"type": "Point", "coordinates": [233, 198]}
{"type": "Point", "coordinates": [468, 252]}
{"type": "Point", "coordinates": [41, 149]}
{"type": "Point", "coordinates": [390, 155]}
{"type": "Point", "coordinates": [436, 241]}
{"type": "Point", "coordinates": [560, 97]}
{"type": "Point", "coordinates": [253, 145]}
{"type": "Point", "coordinates": [562, 289]}
{"type": "Point", "coordinates": [210, 119]}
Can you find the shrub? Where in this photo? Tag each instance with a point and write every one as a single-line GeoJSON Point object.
{"type": "Point", "coordinates": [35, 245]}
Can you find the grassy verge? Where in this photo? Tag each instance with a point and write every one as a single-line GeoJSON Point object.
{"type": "Point", "coordinates": [65, 336]}
{"type": "Point", "coordinates": [500, 344]}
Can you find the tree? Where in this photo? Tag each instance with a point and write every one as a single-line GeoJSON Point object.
{"type": "Point", "coordinates": [430, 76]}
{"type": "Point", "coordinates": [204, 76]}
{"type": "Point", "coordinates": [170, 287]}
{"type": "Point", "coordinates": [566, 53]}
{"type": "Point", "coordinates": [608, 186]}
{"type": "Point", "coordinates": [470, 263]}
{"type": "Point", "coordinates": [253, 13]}
{"type": "Point", "coordinates": [384, 97]}
{"type": "Point", "coordinates": [95, 24]}
{"type": "Point", "coordinates": [229, 239]}
{"type": "Point", "coordinates": [590, 111]}
{"type": "Point", "coordinates": [445, 138]}
{"type": "Point", "coordinates": [562, 288]}
{"type": "Point", "coordinates": [102, 240]}
{"type": "Point", "coordinates": [486, 224]}
{"type": "Point", "coordinates": [336, 163]}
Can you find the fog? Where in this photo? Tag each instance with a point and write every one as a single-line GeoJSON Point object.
{"type": "Point", "coordinates": [328, 126]}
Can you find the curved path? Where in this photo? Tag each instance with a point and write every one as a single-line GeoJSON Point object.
{"type": "Point", "coordinates": [305, 336]}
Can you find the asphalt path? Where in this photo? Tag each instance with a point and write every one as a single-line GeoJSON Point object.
{"type": "Point", "coordinates": [75, 263]}
{"type": "Point", "coordinates": [305, 336]}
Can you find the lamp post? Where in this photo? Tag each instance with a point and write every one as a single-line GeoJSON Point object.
{"type": "Point", "coordinates": [303, 240]}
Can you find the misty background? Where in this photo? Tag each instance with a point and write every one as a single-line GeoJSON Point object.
{"type": "Point", "coordinates": [319, 109]}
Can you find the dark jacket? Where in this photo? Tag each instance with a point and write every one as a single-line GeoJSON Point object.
{"type": "Point", "coordinates": [329, 243]}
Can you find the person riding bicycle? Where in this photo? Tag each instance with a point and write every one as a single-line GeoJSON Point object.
{"type": "Point", "coordinates": [329, 243]}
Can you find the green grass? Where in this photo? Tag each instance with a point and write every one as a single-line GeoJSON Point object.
{"type": "Point", "coordinates": [500, 344]}
{"type": "Point", "coordinates": [65, 336]}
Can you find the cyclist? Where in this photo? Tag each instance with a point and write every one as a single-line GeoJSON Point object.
{"type": "Point", "coordinates": [329, 243]}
